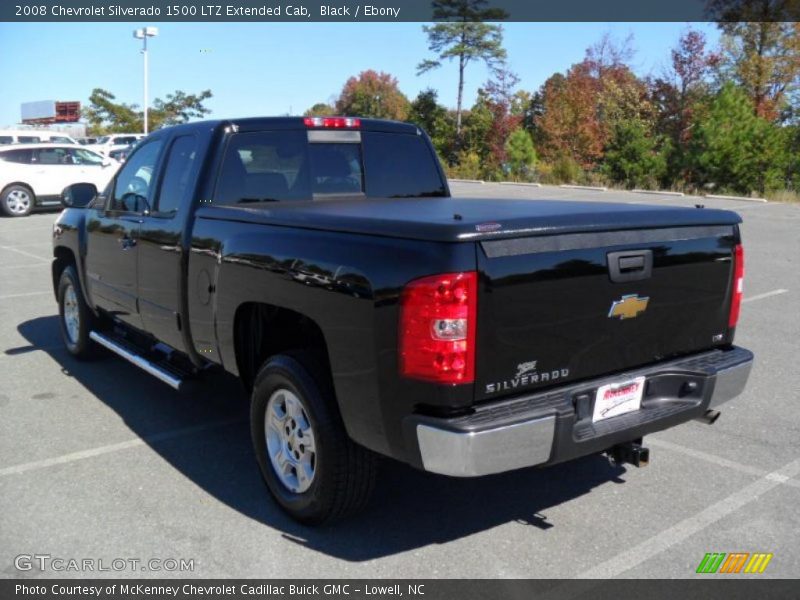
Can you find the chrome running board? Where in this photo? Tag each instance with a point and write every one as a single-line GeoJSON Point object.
{"type": "Point", "coordinates": [128, 354]}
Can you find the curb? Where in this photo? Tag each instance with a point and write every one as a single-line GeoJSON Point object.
{"type": "Point", "coordinates": [659, 193]}
{"type": "Point", "coordinates": [467, 180]}
{"type": "Point", "coordinates": [522, 183]}
{"type": "Point", "coordinates": [584, 187]}
{"type": "Point", "coordinates": [741, 198]}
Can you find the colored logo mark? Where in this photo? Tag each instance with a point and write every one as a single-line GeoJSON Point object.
{"type": "Point", "coordinates": [734, 562]}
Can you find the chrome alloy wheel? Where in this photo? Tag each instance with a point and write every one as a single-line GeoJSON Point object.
{"type": "Point", "coordinates": [72, 315]}
{"type": "Point", "coordinates": [18, 201]}
{"type": "Point", "coordinates": [290, 441]}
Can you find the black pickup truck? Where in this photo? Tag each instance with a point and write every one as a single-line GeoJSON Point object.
{"type": "Point", "coordinates": [324, 262]}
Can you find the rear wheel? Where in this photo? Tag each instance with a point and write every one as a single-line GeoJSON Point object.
{"type": "Point", "coordinates": [75, 316]}
{"type": "Point", "coordinates": [310, 465]}
{"type": "Point", "coordinates": [17, 201]}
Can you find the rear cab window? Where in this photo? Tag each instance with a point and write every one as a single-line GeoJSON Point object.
{"type": "Point", "coordinates": [292, 165]}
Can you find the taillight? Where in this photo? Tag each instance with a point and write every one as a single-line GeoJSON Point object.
{"type": "Point", "coordinates": [738, 285]}
{"type": "Point", "coordinates": [438, 317]}
{"type": "Point", "coordinates": [333, 122]}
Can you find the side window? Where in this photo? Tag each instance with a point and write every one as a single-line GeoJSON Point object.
{"type": "Point", "coordinates": [6, 139]}
{"type": "Point", "coordinates": [132, 189]}
{"type": "Point", "coordinates": [52, 156]}
{"type": "Point", "coordinates": [16, 156]}
{"type": "Point", "coordinates": [84, 157]}
{"type": "Point", "coordinates": [178, 173]}
{"type": "Point", "coordinates": [264, 166]}
{"type": "Point", "coordinates": [400, 166]}
{"type": "Point", "coordinates": [28, 139]}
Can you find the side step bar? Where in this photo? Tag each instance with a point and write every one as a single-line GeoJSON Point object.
{"type": "Point", "coordinates": [138, 360]}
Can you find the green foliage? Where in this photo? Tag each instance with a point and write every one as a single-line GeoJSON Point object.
{"type": "Point", "coordinates": [320, 109]}
{"type": "Point", "coordinates": [105, 115]}
{"type": "Point", "coordinates": [734, 149]}
{"type": "Point", "coordinates": [632, 158]}
{"type": "Point", "coordinates": [466, 38]}
{"type": "Point", "coordinates": [373, 94]}
{"type": "Point", "coordinates": [521, 155]}
{"type": "Point", "coordinates": [437, 122]}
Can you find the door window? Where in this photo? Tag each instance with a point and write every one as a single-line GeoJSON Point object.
{"type": "Point", "coordinates": [52, 156]}
{"type": "Point", "coordinates": [178, 172]}
{"type": "Point", "coordinates": [133, 187]}
{"type": "Point", "coordinates": [84, 157]}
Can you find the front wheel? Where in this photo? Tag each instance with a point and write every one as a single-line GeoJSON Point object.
{"type": "Point", "coordinates": [17, 201]}
{"type": "Point", "coordinates": [75, 316]}
{"type": "Point", "coordinates": [310, 465]}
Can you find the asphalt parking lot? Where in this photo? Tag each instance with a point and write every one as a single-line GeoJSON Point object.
{"type": "Point", "coordinates": [99, 460]}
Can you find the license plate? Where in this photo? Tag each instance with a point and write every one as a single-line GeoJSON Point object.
{"type": "Point", "coordinates": [618, 398]}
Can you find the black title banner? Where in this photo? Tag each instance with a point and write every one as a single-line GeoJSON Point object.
{"type": "Point", "coordinates": [398, 10]}
{"type": "Point", "coordinates": [383, 589]}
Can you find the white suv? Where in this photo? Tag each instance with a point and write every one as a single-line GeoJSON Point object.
{"type": "Point", "coordinates": [117, 141]}
{"type": "Point", "coordinates": [36, 174]}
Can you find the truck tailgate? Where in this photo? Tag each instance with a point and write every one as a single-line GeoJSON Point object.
{"type": "Point", "coordinates": [566, 307]}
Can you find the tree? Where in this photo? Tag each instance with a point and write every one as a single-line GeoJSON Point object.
{"type": "Point", "coordinates": [178, 107]}
{"type": "Point", "coordinates": [678, 94]}
{"type": "Point", "coordinates": [464, 38]}
{"type": "Point", "coordinates": [500, 96]}
{"type": "Point", "coordinates": [320, 109]}
{"type": "Point", "coordinates": [521, 154]}
{"type": "Point", "coordinates": [632, 157]}
{"type": "Point", "coordinates": [736, 149]}
{"type": "Point", "coordinates": [105, 115]}
{"type": "Point", "coordinates": [764, 59]}
{"type": "Point", "coordinates": [435, 119]}
{"type": "Point", "coordinates": [373, 94]}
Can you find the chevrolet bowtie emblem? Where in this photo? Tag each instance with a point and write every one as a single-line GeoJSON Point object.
{"type": "Point", "coordinates": [628, 307]}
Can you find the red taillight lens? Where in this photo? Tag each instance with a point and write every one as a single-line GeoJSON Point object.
{"type": "Point", "coordinates": [738, 285]}
{"type": "Point", "coordinates": [333, 122]}
{"type": "Point", "coordinates": [438, 318]}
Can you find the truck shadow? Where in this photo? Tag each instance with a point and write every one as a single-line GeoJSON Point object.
{"type": "Point", "coordinates": [204, 435]}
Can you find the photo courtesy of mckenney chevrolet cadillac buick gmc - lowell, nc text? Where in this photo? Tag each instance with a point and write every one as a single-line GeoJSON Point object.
{"type": "Point", "coordinates": [324, 262]}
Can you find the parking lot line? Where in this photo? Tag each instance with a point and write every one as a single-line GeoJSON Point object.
{"type": "Point", "coordinates": [25, 295]}
{"type": "Point", "coordinates": [765, 295]}
{"type": "Point", "coordinates": [100, 450]}
{"type": "Point", "coordinates": [688, 527]}
{"type": "Point", "coordinates": [24, 266]}
{"type": "Point", "coordinates": [10, 249]}
{"type": "Point", "coordinates": [717, 460]}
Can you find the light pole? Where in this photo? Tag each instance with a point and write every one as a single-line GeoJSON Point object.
{"type": "Point", "coordinates": [143, 34]}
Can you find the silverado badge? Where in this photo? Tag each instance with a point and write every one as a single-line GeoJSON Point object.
{"type": "Point", "coordinates": [628, 307]}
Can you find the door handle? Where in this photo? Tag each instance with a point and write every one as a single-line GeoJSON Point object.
{"type": "Point", "coordinates": [126, 242]}
{"type": "Point", "coordinates": [630, 265]}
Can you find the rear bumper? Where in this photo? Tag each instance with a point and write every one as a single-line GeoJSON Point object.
{"type": "Point", "coordinates": [556, 425]}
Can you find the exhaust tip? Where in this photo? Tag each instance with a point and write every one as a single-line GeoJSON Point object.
{"type": "Point", "coordinates": [710, 417]}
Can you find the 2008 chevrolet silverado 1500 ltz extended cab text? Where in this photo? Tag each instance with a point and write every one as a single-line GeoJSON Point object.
{"type": "Point", "coordinates": [323, 262]}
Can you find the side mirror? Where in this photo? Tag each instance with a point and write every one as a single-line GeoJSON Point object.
{"type": "Point", "coordinates": [78, 195]}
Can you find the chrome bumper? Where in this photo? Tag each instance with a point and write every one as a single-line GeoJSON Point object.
{"type": "Point", "coordinates": [730, 383]}
{"type": "Point", "coordinates": [529, 443]}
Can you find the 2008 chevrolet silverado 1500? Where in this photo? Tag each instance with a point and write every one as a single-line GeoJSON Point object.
{"type": "Point", "coordinates": [323, 261]}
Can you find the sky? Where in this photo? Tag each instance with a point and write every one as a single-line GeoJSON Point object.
{"type": "Point", "coordinates": [284, 68]}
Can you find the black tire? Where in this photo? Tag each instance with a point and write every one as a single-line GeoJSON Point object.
{"type": "Point", "coordinates": [77, 343]}
{"type": "Point", "coordinates": [344, 472]}
{"type": "Point", "coordinates": [17, 201]}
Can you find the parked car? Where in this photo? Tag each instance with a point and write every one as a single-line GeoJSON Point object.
{"type": "Point", "coordinates": [33, 136]}
{"type": "Point", "coordinates": [34, 175]}
{"type": "Point", "coordinates": [120, 154]}
{"type": "Point", "coordinates": [109, 143]}
{"type": "Point", "coordinates": [85, 141]}
{"type": "Point", "coordinates": [324, 263]}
